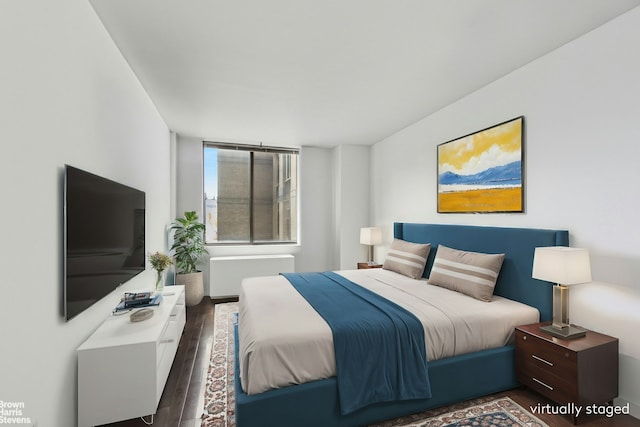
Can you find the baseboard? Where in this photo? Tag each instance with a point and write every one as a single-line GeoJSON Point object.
{"type": "Point", "coordinates": [629, 380]}
{"type": "Point", "coordinates": [201, 401]}
{"type": "Point", "coordinates": [634, 410]}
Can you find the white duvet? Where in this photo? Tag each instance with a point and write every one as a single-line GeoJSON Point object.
{"type": "Point", "coordinates": [284, 341]}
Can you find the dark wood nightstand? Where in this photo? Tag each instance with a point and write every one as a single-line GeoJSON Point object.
{"type": "Point", "coordinates": [362, 265]}
{"type": "Point", "coordinates": [582, 371]}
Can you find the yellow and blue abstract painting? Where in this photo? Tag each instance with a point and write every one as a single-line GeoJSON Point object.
{"type": "Point", "coordinates": [482, 172]}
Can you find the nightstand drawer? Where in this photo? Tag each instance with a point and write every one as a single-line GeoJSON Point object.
{"type": "Point", "coordinates": [560, 388]}
{"type": "Point", "coordinates": [546, 355]}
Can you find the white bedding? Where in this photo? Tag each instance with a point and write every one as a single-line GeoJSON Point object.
{"type": "Point", "coordinates": [284, 341]}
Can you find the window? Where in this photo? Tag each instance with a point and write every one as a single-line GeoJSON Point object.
{"type": "Point", "coordinates": [250, 194]}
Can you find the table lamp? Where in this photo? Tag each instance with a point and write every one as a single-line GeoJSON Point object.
{"type": "Point", "coordinates": [564, 266]}
{"type": "Point", "coordinates": [370, 236]}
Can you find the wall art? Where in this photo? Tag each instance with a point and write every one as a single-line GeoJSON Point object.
{"type": "Point", "coordinates": [483, 172]}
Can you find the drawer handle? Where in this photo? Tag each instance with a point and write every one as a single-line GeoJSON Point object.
{"type": "Point", "coordinates": [167, 341]}
{"type": "Point", "coordinates": [541, 383]}
{"type": "Point", "coordinates": [542, 360]}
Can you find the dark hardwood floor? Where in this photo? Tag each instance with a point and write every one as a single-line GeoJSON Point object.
{"type": "Point", "coordinates": [179, 403]}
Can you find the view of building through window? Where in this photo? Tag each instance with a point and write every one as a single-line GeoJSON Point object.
{"type": "Point", "coordinates": [250, 194]}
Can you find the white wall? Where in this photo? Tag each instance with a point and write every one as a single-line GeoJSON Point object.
{"type": "Point", "coordinates": [581, 107]}
{"type": "Point", "coordinates": [351, 197]}
{"type": "Point", "coordinates": [316, 195]}
{"type": "Point", "coordinates": [314, 249]}
{"type": "Point", "coordinates": [189, 178]}
{"type": "Point", "coordinates": [66, 96]}
{"type": "Point", "coordinates": [334, 197]}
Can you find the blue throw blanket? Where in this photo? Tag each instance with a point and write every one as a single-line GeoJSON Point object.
{"type": "Point", "coordinates": [379, 346]}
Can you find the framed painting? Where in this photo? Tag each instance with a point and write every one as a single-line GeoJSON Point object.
{"type": "Point", "coordinates": [483, 172]}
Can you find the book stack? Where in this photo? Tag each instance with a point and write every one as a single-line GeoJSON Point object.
{"type": "Point", "coordinates": [135, 299]}
{"type": "Point", "coordinates": [131, 300]}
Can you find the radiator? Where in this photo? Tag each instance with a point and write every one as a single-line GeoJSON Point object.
{"type": "Point", "coordinates": [226, 273]}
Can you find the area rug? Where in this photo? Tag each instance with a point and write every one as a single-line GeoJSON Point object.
{"type": "Point", "coordinates": [219, 396]}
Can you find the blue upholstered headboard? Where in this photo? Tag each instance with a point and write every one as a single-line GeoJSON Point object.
{"type": "Point", "coordinates": [518, 244]}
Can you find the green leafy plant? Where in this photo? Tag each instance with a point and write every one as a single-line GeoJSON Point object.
{"type": "Point", "coordinates": [188, 246]}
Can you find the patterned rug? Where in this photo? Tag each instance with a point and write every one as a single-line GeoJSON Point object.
{"type": "Point", "coordinates": [219, 406]}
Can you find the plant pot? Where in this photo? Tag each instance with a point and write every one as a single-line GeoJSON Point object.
{"type": "Point", "coordinates": [193, 287]}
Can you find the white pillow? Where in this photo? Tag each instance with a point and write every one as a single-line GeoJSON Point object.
{"type": "Point", "coordinates": [470, 273]}
{"type": "Point", "coordinates": [407, 258]}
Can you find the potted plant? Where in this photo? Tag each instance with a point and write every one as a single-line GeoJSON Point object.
{"type": "Point", "coordinates": [188, 248]}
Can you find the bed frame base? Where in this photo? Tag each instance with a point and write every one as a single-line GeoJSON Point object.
{"type": "Point", "coordinates": [315, 404]}
{"type": "Point", "coordinates": [453, 379]}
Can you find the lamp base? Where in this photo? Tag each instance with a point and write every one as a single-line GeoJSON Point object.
{"type": "Point", "coordinates": [567, 333]}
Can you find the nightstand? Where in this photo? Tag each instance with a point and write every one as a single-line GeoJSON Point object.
{"type": "Point", "coordinates": [582, 371]}
{"type": "Point", "coordinates": [362, 265]}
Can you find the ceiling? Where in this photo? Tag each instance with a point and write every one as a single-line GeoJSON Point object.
{"type": "Point", "coordinates": [329, 72]}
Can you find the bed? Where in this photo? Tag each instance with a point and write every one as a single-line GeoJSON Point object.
{"type": "Point", "coordinates": [453, 378]}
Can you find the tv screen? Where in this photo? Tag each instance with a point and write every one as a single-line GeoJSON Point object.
{"type": "Point", "coordinates": [104, 240]}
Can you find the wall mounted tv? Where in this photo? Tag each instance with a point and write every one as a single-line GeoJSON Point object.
{"type": "Point", "coordinates": [104, 240]}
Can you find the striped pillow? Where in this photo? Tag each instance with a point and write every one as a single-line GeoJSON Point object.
{"type": "Point", "coordinates": [470, 273]}
{"type": "Point", "coordinates": [407, 258]}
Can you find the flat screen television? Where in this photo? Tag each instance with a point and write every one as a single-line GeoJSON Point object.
{"type": "Point", "coordinates": [104, 240]}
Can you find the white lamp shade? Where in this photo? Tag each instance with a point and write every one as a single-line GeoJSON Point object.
{"type": "Point", "coordinates": [370, 236]}
{"type": "Point", "coordinates": [562, 265]}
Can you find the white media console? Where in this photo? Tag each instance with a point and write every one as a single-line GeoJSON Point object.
{"type": "Point", "coordinates": [123, 366]}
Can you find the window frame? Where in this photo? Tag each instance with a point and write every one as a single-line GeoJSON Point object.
{"type": "Point", "coordinates": [254, 149]}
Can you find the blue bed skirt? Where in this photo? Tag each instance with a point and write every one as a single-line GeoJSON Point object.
{"type": "Point", "coordinates": [315, 404]}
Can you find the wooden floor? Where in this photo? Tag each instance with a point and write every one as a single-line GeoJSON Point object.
{"type": "Point", "coordinates": [179, 404]}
